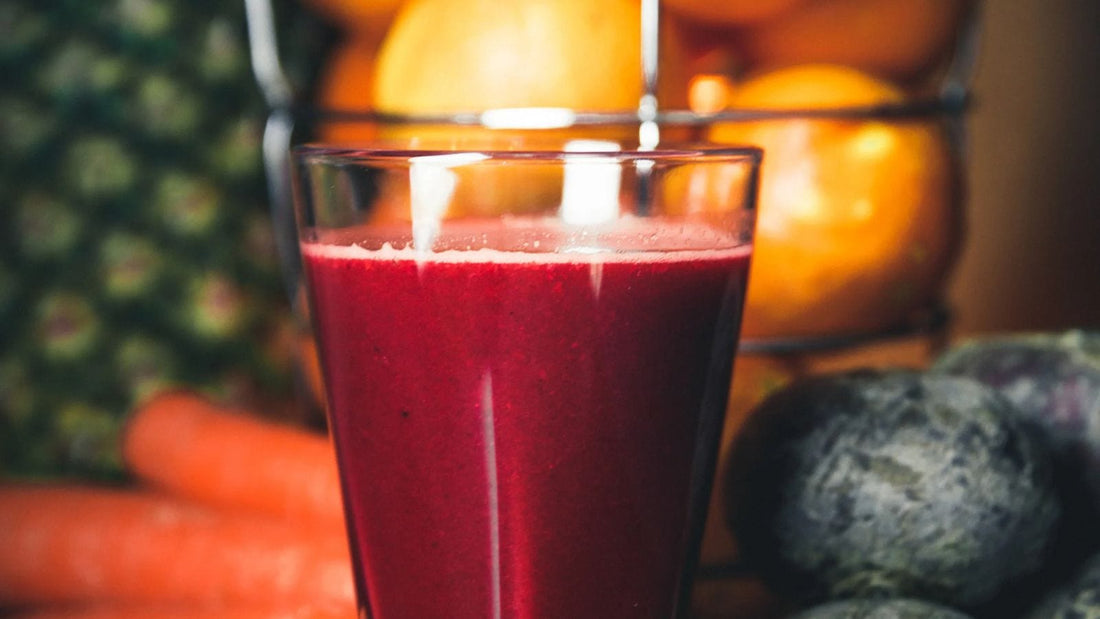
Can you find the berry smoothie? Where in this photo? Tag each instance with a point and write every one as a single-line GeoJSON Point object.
{"type": "Point", "coordinates": [527, 430]}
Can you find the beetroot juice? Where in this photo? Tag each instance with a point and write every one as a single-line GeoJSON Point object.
{"type": "Point", "coordinates": [525, 431]}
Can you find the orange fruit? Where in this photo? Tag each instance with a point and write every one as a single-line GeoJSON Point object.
{"type": "Point", "coordinates": [715, 193]}
{"type": "Point", "coordinates": [443, 56]}
{"type": "Point", "coordinates": [487, 190]}
{"type": "Point", "coordinates": [891, 38]}
{"type": "Point", "coordinates": [345, 84]}
{"type": "Point", "coordinates": [755, 377]}
{"type": "Point", "coordinates": [731, 12]}
{"type": "Point", "coordinates": [449, 56]}
{"type": "Point", "coordinates": [708, 93]}
{"type": "Point", "coordinates": [476, 190]}
{"type": "Point", "coordinates": [358, 16]}
{"type": "Point", "coordinates": [858, 220]}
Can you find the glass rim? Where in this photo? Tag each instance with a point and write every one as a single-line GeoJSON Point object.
{"type": "Point", "coordinates": [387, 151]}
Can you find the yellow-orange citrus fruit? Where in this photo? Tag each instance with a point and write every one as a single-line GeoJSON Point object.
{"type": "Point", "coordinates": [754, 378]}
{"type": "Point", "coordinates": [476, 191]}
{"type": "Point", "coordinates": [358, 16]}
{"type": "Point", "coordinates": [486, 190]}
{"type": "Point", "coordinates": [732, 12]}
{"type": "Point", "coordinates": [708, 93]}
{"type": "Point", "coordinates": [346, 85]}
{"type": "Point", "coordinates": [891, 38]}
{"type": "Point", "coordinates": [858, 221]}
{"type": "Point", "coordinates": [717, 193]}
{"type": "Point", "coordinates": [445, 56]}
{"type": "Point", "coordinates": [482, 190]}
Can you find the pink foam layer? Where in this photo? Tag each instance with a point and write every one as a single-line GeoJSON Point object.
{"type": "Point", "coordinates": [635, 241]}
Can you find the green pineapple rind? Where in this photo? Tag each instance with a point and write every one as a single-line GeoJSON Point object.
{"type": "Point", "coordinates": [138, 253]}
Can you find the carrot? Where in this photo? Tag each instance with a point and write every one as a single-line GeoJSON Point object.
{"type": "Point", "coordinates": [77, 544]}
{"type": "Point", "coordinates": [305, 611]}
{"type": "Point", "coordinates": [189, 446]}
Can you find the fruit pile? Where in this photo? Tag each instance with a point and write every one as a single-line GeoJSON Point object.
{"type": "Point", "coordinates": [860, 216]}
{"type": "Point", "coordinates": [968, 490]}
{"type": "Point", "coordinates": [971, 486]}
{"type": "Point", "coordinates": [437, 56]}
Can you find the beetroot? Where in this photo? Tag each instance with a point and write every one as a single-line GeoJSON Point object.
{"type": "Point", "coordinates": [897, 608]}
{"type": "Point", "coordinates": [1054, 379]}
{"type": "Point", "coordinates": [1076, 600]}
{"type": "Point", "coordinates": [890, 483]}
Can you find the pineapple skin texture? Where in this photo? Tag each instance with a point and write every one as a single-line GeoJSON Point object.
{"type": "Point", "coordinates": [136, 251]}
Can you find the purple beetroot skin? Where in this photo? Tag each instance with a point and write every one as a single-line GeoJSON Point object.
{"type": "Point", "coordinates": [1054, 380]}
{"type": "Point", "coordinates": [881, 608]}
{"type": "Point", "coordinates": [875, 483]}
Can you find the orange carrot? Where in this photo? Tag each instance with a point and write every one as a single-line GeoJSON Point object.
{"type": "Point", "coordinates": [76, 544]}
{"type": "Point", "coordinates": [189, 446]}
{"type": "Point", "coordinates": [304, 611]}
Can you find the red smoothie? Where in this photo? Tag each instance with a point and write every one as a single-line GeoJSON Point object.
{"type": "Point", "coordinates": [517, 427]}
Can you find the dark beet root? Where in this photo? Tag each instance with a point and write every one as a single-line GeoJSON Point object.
{"type": "Point", "coordinates": [1054, 380]}
{"type": "Point", "coordinates": [1080, 599]}
{"type": "Point", "coordinates": [890, 483]}
{"type": "Point", "coordinates": [898, 608]}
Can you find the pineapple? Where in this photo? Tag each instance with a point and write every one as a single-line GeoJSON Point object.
{"type": "Point", "coordinates": [137, 252]}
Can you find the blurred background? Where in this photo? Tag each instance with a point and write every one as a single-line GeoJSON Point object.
{"type": "Point", "coordinates": [137, 250]}
{"type": "Point", "coordinates": [1031, 257]}
{"type": "Point", "coordinates": [137, 254]}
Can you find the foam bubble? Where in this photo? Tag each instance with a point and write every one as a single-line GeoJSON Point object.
{"type": "Point", "coordinates": [539, 241]}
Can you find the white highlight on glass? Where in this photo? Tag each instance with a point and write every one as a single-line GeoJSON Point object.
{"type": "Point", "coordinates": [590, 183]}
{"type": "Point", "coordinates": [489, 436]}
{"type": "Point", "coordinates": [595, 278]}
{"type": "Point", "coordinates": [431, 186]}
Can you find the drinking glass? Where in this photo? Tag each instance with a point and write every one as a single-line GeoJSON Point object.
{"type": "Point", "coordinates": [526, 357]}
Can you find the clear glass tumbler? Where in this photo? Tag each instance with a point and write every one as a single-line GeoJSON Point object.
{"type": "Point", "coordinates": [526, 357]}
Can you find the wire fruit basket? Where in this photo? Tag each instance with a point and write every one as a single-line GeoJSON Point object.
{"type": "Point", "coordinates": [768, 356]}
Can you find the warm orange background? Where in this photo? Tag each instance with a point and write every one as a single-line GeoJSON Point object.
{"type": "Point", "coordinates": [1032, 259]}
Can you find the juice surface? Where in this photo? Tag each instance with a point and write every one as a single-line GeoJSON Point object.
{"type": "Point", "coordinates": [517, 429]}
